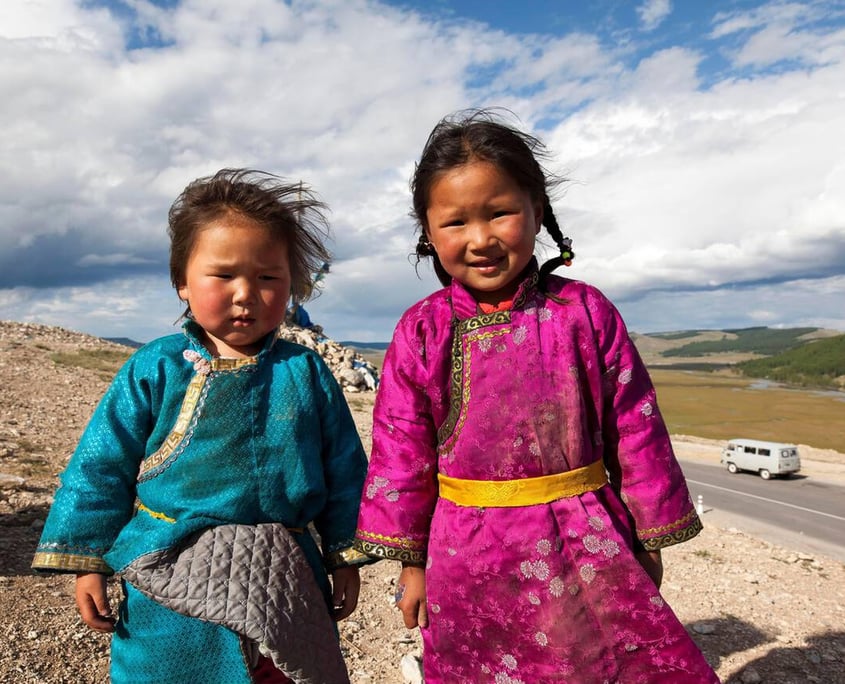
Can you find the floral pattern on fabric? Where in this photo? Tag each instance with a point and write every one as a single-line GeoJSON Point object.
{"type": "Point", "coordinates": [546, 592]}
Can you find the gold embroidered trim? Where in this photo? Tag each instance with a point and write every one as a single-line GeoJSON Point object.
{"type": "Point", "coordinates": [663, 528]}
{"type": "Point", "coordinates": [156, 514]}
{"type": "Point", "coordinates": [390, 552]}
{"type": "Point", "coordinates": [183, 422]}
{"type": "Point", "coordinates": [232, 364]}
{"type": "Point", "coordinates": [656, 543]}
{"type": "Point", "coordinates": [528, 491]}
{"type": "Point", "coordinates": [69, 562]}
{"type": "Point", "coordinates": [345, 557]}
{"type": "Point", "coordinates": [461, 368]}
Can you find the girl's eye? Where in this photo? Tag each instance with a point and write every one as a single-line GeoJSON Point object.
{"type": "Point", "coordinates": [268, 277]}
{"type": "Point", "coordinates": [222, 276]}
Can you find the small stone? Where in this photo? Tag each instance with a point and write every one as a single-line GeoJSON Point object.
{"type": "Point", "coordinates": [411, 668]}
{"type": "Point", "coordinates": [750, 676]}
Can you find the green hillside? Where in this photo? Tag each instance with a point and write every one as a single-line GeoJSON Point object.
{"type": "Point", "coordinates": [759, 340]}
{"type": "Point", "coordinates": [816, 363]}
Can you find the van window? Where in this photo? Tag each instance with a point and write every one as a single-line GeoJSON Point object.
{"type": "Point", "coordinates": [764, 452]}
{"type": "Point", "coordinates": [750, 450]}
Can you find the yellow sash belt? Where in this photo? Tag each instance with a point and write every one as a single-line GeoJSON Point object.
{"type": "Point", "coordinates": [525, 492]}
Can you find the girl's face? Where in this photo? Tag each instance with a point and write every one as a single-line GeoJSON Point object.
{"type": "Point", "coordinates": [237, 283]}
{"type": "Point", "coordinates": [483, 227]}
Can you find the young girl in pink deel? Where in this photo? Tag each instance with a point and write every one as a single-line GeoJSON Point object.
{"type": "Point", "coordinates": [521, 470]}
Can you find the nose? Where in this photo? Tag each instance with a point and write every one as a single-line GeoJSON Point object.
{"type": "Point", "coordinates": [479, 235]}
{"type": "Point", "coordinates": [244, 292]}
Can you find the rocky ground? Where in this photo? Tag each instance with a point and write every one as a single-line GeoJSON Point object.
{"type": "Point", "coordinates": [759, 611]}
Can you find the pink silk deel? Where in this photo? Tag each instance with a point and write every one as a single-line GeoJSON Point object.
{"type": "Point", "coordinates": [540, 593]}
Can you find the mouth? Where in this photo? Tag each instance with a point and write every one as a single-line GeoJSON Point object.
{"type": "Point", "coordinates": [487, 265]}
{"type": "Point", "coordinates": [242, 321]}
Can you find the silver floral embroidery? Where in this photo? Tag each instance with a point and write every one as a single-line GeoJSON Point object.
{"type": "Point", "coordinates": [517, 442]}
{"type": "Point", "coordinates": [533, 599]}
{"type": "Point", "coordinates": [657, 601]}
{"type": "Point", "coordinates": [541, 638]}
{"type": "Point", "coordinates": [201, 364]}
{"type": "Point", "coordinates": [509, 661]}
{"type": "Point", "coordinates": [596, 523]}
{"type": "Point", "coordinates": [534, 448]}
{"type": "Point", "coordinates": [520, 334]}
{"type": "Point", "coordinates": [647, 409]}
{"type": "Point", "coordinates": [392, 496]}
{"type": "Point", "coordinates": [485, 344]}
{"type": "Point", "coordinates": [544, 315]}
{"type": "Point", "coordinates": [625, 376]}
{"type": "Point", "coordinates": [544, 547]}
{"type": "Point", "coordinates": [556, 587]}
{"type": "Point", "coordinates": [377, 483]}
{"type": "Point", "coordinates": [587, 572]}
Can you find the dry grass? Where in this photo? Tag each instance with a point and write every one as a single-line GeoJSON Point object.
{"type": "Point", "coordinates": [723, 406]}
{"type": "Point", "coordinates": [104, 362]}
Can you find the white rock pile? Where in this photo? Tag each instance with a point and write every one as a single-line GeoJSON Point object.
{"type": "Point", "coordinates": [350, 369]}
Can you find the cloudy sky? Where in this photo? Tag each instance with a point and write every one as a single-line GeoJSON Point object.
{"type": "Point", "coordinates": [705, 143]}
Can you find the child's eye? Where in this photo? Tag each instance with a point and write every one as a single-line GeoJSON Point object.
{"type": "Point", "coordinates": [223, 276]}
{"type": "Point", "coordinates": [268, 277]}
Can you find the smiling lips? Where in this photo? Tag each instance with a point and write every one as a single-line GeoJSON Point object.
{"type": "Point", "coordinates": [487, 265]}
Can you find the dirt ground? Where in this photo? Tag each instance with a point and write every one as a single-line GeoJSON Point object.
{"type": "Point", "coordinates": [761, 612]}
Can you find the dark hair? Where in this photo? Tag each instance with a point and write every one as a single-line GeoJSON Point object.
{"type": "Point", "coordinates": [288, 210]}
{"type": "Point", "coordinates": [481, 135]}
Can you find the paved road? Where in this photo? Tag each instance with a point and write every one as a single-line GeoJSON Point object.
{"type": "Point", "coordinates": [799, 513]}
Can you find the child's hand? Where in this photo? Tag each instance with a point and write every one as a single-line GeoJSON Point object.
{"type": "Point", "coordinates": [653, 564]}
{"type": "Point", "coordinates": [410, 596]}
{"type": "Point", "coordinates": [92, 599]}
{"type": "Point", "coordinates": [345, 586]}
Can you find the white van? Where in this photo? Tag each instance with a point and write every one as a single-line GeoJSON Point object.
{"type": "Point", "coordinates": [765, 458]}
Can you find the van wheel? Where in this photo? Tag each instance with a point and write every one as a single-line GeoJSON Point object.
{"type": "Point", "coordinates": [765, 474]}
{"type": "Point", "coordinates": [732, 468]}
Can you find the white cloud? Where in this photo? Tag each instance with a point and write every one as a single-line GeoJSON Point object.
{"type": "Point", "coordinates": [677, 186]}
{"type": "Point", "coordinates": [653, 12]}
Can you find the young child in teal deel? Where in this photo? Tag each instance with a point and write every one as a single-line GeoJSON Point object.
{"type": "Point", "coordinates": [208, 457]}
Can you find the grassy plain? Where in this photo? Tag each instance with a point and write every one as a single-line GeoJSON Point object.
{"type": "Point", "coordinates": [722, 406]}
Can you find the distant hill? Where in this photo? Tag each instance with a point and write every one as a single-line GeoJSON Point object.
{"type": "Point", "coordinates": [809, 357]}
{"type": "Point", "coordinates": [817, 363]}
{"type": "Point", "coordinates": [366, 346]}
{"type": "Point", "coordinates": [125, 341]}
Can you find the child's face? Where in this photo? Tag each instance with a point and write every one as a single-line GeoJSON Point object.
{"type": "Point", "coordinates": [482, 226]}
{"type": "Point", "coordinates": [237, 283]}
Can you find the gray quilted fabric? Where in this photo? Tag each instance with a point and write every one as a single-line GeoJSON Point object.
{"type": "Point", "coordinates": [255, 581]}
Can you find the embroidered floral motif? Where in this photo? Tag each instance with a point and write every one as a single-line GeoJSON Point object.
{"type": "Point", "coordinates": [541, 638]}
{"type": "Point", "coordinates": [544, 315]}
{"type": "Point", "coordinates": [647, 409]}
{"type": "Point", "coordinates": [374, 486]}
{"type": "Point", "coordinates": [201, 364]}
{"type": "Point", "coordinates": [520, 334]}
{"type": "Point", "coordinates": [588, 573]}
{"type": "Point", "coordinates": [533, 599]}
{"type": "Point", "coordinates": [556, 587]}
{"type": "Point", "coordinates": [544, 547]}
{"type": "Point", "coordinates": [625, 376]}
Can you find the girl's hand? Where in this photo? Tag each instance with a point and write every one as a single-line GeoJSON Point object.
{"type": "Point", "coordinates": [410, 596]}
{"type": "Point", "coordinates": [92, 600]}
{"type": "Point", "coordinates": [653, 564]}
{"type": "Point", "coordinates": [346, 583]}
